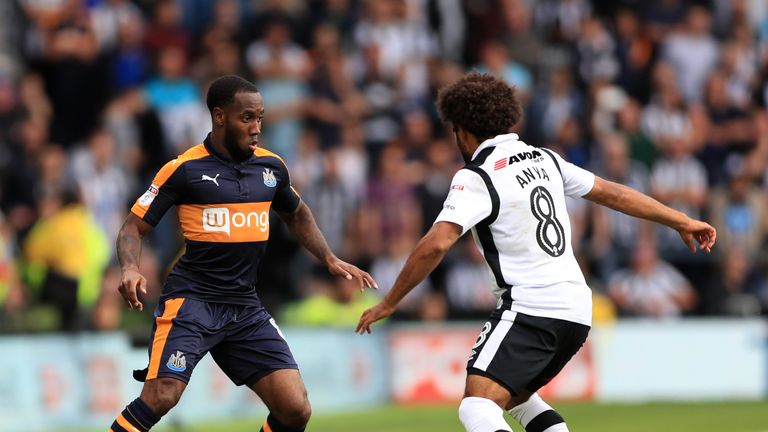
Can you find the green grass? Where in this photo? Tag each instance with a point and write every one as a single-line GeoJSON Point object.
{"type": "Point", "coordinates": [581, 417]}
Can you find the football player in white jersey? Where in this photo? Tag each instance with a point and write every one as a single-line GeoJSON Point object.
{"type": "Point", "coordinates": [512, 197]}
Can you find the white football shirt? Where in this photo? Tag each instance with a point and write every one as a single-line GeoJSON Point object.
{"type": "Point", "coordinates": [512, 196]}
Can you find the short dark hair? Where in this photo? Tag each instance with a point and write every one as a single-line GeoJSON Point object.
{"type": "Point", "coordinates": [480, 103]}
{"type": "Point", "coordinates": [223, 90]}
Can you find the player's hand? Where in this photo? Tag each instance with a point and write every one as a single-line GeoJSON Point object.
{"type": "Point", "coordinates": [698, 232]}
{"type": "Point", "coordinates": [132, 281]}
{"type": "Point", "coordinates": [370, 316]}
{"type": "Point", "coordinates": [348, 271]}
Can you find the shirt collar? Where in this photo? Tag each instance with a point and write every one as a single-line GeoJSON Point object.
{"type": "Point", "coordinates": [498, 139]}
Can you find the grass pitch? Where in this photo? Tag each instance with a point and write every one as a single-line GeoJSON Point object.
{"type": "Point", "coordinates": [581, 417]}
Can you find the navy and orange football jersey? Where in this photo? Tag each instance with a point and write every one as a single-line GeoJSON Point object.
{"type": "Point", "coordinates": [223, 210]}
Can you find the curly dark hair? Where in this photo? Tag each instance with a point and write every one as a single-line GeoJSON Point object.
{"type": "Point", "coordinates": [480, 103]}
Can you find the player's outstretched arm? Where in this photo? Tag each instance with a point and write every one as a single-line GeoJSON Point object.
{"type": "Point", "coordinates": [302, 224]}
{"type": "Point", "coordinates": [634, 203]}
{"type": "Point", "coordinates": [425, 257]}
{"type": "Point", "coordinates": [128, 253]}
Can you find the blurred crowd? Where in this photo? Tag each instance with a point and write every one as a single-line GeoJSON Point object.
{"type": "Point", "coordinates": [666, 96]}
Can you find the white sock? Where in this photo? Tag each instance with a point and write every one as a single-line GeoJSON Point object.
{"type": "Point", "coordinates": [537, 416]}
{"type": "Point", "coordinates": [482, 415]}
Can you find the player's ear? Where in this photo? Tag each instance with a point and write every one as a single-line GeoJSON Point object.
{"type": "Point", "coordinates": [218, 117]}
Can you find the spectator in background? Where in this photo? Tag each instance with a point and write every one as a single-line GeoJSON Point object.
{"type": "Point", "coordinates": [54, 176]}
{"type": "Point", "coordinates": [693, 52]}
{"type": "Point", "coordinates": [595, 53]}
{"type": "Point", "coordinates": [130, 64]}
{"type": "Point", "coordinates": [333, 204]}
{"type": "Point", "coordinates": [327, 302]}
{"type": "Point", "coordinates": [680, 181]}
{"type": "Point", "coordinates": [65, 256]}
{"type": "Point", "coordinates": [635, 53]}
{"type": "Point", "coordinates": [165, 30]}
{"type": "Point", "coordinates": [33, 97]}
{"type": "Point", "coordinates": [737, 62]}
{"type": "Point", "coordinates": [225, 26]}
{"type": "Point", "coordinates": [11, 114]}
{"type": "Point", "coordinates": [109, 18]}
{"type": "Point", "coordinates": [381, 103]}
{"type": "Point", "coordinates": [553, 105]}
{"type": "Point", "coordinates": [223, 58]}
{"type": "Point", "coordinates": [615, 234]}
{"type": "Point", "coordinates": [560, 20]}
{"type": "Point", "coordinates": [12, 298]}
{"type": "Point", "coordinates": [391, 210]}
{"type": "Point", "coordinates": [21, 180]}
{"type": "Point", "coordinates": [398, 34]}
{"type": "Point", "coordinates": [108, 313]}
{"type": "Point", "coordinates": [607, 100]}
{"type": "Point", "coordinates": [663, 17]}
{"type": "Point", "coordinates": [355, 161]}
{"type": "Point", "coordinates": [568, 141]}
{"type": "Point", "coordinates": [176, 99]}
{"type": "Point", "coordinates": [135, 148]}
{"type": "Point", "coordinates": [738, 208]}
{"type": "Point", "coordinates": [343, 15]}
{"type": "Point", "coordinates": [309, 163]}
{"type": "Point", "coordinates": [41, 17]}
{"type": "Point", "coordinates": [734, 289]}
{"type": "Point", "coordinates": [433, 307]}
{"type": "Point", "coordinates": [628, 123]}
{"type": "Point", "coordinates": [221, 44]}
{"type": "Point", "coordinates": [523, 44]}
{"type": "Point", "coordinates": [440, 163]}
{"type": "Point", "coordinates": [665, 118]}
{"type": "Point", "coordinates": [495, 59]}
{"type": "Point", "coordinates": [75, 69]}
{"type": "Point", "coordinates": [651, 287]}
{"type": "Point", "coordinates": [334, 100]}
{"type": "Point", "coordinates": [449, 26]}
{"type": "Point", "coordinates": [387, 264]}
{"type": "Point", "coordinates": [730, 130]}
{"type": "Point", "coordinates": [281, 68]}
{"type": "Point", "coordinates": [416, 134]}
{"type": "Point", "coordinates": [466, 283]}
{"type": "Point", "coordinates": [104, 186]}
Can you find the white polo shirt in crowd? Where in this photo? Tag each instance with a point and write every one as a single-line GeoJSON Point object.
{"type": "Point", "coordinates": [512, 196]}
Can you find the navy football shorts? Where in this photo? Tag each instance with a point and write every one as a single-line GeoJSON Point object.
{"type": "Point", "coordinates": [524, 352]}
{"type": "Point", "coordinates": [243, 340]}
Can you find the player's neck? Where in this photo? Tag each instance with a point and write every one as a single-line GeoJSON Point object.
{"type": "Point", "coordinates": [218, 143]}
{"type": "Point", "coordinates": [468, 145]}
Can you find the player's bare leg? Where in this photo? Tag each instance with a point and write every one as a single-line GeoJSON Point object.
{"type": "Point", "coordinates": [162, 394]}
{"type": "Point", "coordinates": [158, 396]}
{"type": "Point", "coordinates": [284, 394]}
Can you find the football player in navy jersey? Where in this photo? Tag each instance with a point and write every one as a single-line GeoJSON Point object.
{"type": "Point", "coordinates": [223, 189]}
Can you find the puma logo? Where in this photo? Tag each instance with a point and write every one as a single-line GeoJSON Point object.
{"type": "Point", "coordinates": [213, 179]}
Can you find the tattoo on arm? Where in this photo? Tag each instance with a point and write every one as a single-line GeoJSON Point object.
{"type": "Point", "coordinates": [128, 249]}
